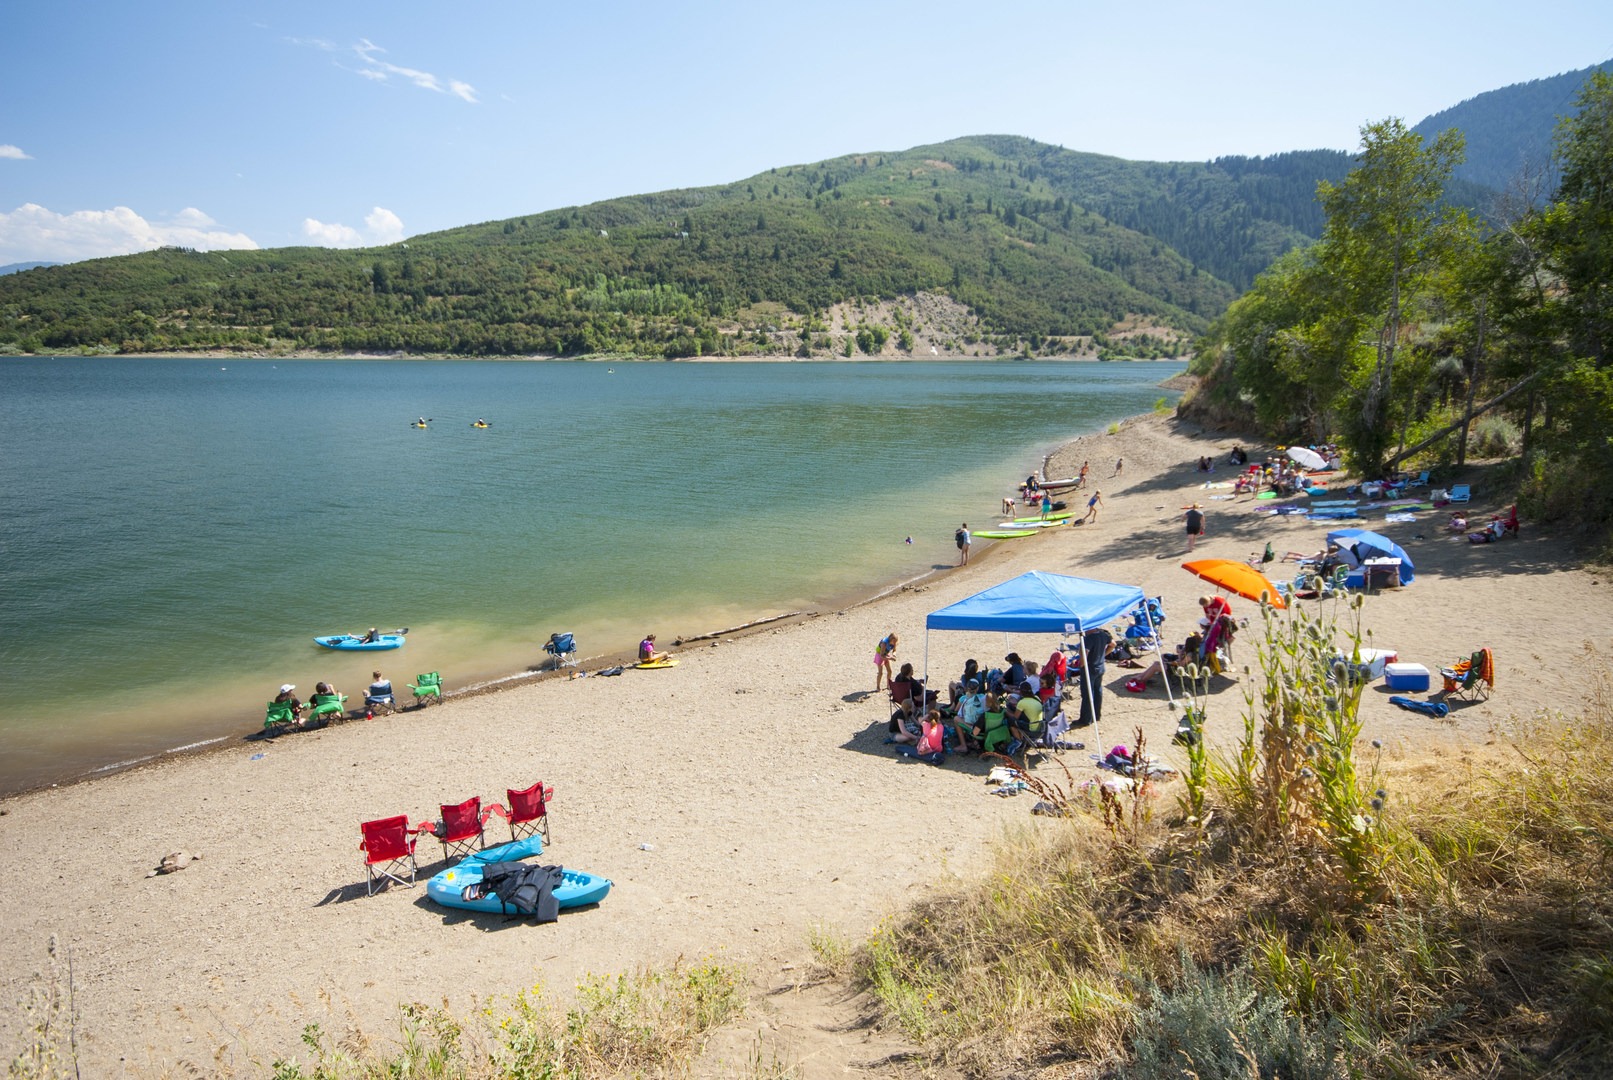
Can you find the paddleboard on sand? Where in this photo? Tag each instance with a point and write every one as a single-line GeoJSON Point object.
{"type": "Point", "coordinates": [659, 662]}
{"type": "Point", "coordinates": [1005, 534]}
{"type": "Point", "coordinates": [1057, 515]}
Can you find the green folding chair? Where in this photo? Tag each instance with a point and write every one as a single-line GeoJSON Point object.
{"type": "Point", "coordinates": [280, 713]}
{"type": "Point", "coordinates": [327, 706]}
{"type": "Point", "coordinates": [427, 688]}
{"type": "Point", "coordinates": [994, 726]}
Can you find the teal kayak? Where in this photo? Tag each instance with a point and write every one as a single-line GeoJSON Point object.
{"type": "Point", "coordinates": [577, 889]}
{"type": "Point", "coordinates": [354, 643]}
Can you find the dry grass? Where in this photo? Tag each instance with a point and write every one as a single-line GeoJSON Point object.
{"type": "Point", "coordinates": [1297, 917]}
{"type": "Point", "coordinates": [652, 1023]}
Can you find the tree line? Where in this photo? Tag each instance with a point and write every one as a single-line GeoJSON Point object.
{"type": "Point", "coordinates": [1414, 328]}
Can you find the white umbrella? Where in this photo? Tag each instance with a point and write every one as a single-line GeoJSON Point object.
{"type": "Point", "coordinates": [1308, 458]}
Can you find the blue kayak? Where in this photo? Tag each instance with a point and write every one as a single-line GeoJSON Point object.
{"type": "Point", "coordinates": [577, 888]}
{"type": "Point", "coordinates": [353, 643]}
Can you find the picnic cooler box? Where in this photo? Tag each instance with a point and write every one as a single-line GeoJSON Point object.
{"type": "Point", "coordinates": [1406, 677]}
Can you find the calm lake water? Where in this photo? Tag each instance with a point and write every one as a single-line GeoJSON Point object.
{"type": "Point", "coordinates": [176, 531]}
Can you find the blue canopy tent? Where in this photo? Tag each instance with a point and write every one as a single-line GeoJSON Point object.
{"type": "Point", "coordinates": [1038, 603]}
{"type": "Point", "coordinates": [1359, 545]}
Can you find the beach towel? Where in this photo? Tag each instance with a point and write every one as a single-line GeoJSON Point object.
{"type": "Point", "coordinates": [912, 751]}
{"type": "Point", "coordinates": [1435, 709]}
{"type": "Point", "coordinates": [1400, 517]}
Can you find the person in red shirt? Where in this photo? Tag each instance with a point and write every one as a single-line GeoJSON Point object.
{"type": "Point", "coordinates": [1214, 607]}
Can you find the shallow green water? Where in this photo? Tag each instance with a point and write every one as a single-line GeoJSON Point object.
{"type": "Point", "coordinates": [176, 531]}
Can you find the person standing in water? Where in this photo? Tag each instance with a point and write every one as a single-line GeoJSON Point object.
{"type": "Point", "coordinates": [962, 538]}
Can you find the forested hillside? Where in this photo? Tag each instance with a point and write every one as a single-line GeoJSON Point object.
{"type": "Point", "coordinates": [1044, 245]}
{"type": "Point", "coordinates": [1510, 129]}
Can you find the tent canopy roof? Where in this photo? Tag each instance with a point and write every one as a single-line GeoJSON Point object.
{"type": "Point", "coordinates": [1359, 544]}
{"type": "Point", "coordinates": [1038, 603]}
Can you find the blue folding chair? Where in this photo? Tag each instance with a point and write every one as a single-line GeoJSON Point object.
{"type": "Point", "coordinates": [563, 647]}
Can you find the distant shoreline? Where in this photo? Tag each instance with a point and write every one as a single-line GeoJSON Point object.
{"type": "Point", "coordinates": [771, 358]}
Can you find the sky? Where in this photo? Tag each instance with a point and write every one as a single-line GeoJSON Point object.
{"type": "Point", "coordinates": [126, 125]}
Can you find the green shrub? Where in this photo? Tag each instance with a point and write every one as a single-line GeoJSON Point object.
{"type": "Point", "coordinates": [1221, 1027]}
{"type": "Point", "coordinates": [1493, 436]}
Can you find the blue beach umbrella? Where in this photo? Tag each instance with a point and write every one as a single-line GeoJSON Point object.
{"type": "Point", "coordinates": [1359, 545]}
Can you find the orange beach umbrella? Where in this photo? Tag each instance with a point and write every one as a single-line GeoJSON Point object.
{"type": "Point", "coordinates": [1237, 577]}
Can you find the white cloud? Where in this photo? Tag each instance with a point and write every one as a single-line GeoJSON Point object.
{"type": "Point", "coordinates": [385, 226]}
{"type": "Point", "coordinates": [14, 153]}
{"type": "Point", "coordinates": [331, 235]}
{"type": "Point", "coordinates": [382, 226]}
{"type": "Point", "coordinates": [33, 233]}
{"type": "Point", "coordinates": [382, 70]}
{"type": "Point", "coordinates": [193, 218]}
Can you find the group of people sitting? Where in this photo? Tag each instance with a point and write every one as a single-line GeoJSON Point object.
{"type": "Point", "coordinates": [1207, 647]}
{"type": "Point", "coordinates": [1013, 708]}
{"type": "Point", "coordinates": [326, 701]}
{"type": "Point", "coordinates": [1494, 529]}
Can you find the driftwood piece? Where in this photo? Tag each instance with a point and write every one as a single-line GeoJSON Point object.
{"type": "Point", "coordinates": [742, 626]}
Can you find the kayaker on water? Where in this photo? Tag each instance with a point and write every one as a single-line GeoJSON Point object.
{"type": "Point", "coordinates": [370, 638]}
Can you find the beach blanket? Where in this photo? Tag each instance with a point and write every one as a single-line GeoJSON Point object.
{"type": "Point", "coordinates": [1400, 517]}
{"type": "Point", "coordinates": [1336, 512]}
{"type": "Point", "coordinates": [1289, 510]}
{"type": "Point", "coordinates": [912, 751]}
{"type": "Point", "coordinates": [1435, 709]}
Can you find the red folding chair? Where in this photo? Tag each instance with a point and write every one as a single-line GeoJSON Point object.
{"type": "Point", "coordinates": [528, 812]}
{"type": "Point", "coordinates": [463, 828]}
{"type": "Point", "coordinates": [388, 850]}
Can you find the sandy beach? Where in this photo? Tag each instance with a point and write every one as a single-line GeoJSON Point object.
{"type": "Point", "coordinates": [738, 800]}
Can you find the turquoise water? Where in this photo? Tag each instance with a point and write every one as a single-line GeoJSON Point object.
{"type": "Point", "coordinates": [176, 531]}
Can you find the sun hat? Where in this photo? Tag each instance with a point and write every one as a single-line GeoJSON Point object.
{"type": "Point", "coordinates": [287, 688]}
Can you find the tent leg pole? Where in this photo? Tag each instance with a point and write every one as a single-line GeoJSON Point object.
{"type": "Point", "coordinates": [926, 674]}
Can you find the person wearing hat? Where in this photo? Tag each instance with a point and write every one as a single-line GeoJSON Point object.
{"type": "Point", "coordinates": [370, 638]}
{"type": "Point", "coordinates": [1195, 524]}
{"type": "Point", "coordinates": [286, 697]}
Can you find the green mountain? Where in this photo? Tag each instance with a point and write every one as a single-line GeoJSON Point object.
{"type": "Point", "coordinates": [1509, 129]}
{"type": "Point", "coordinates": [1046, 248]}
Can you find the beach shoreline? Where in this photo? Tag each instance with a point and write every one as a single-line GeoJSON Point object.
{"type": "Point", "coordinates": [211, 734]}
{"type": "Point", "coordinates": [741, 801]}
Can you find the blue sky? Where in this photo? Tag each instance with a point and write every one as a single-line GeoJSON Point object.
{"type": "Point", "coordinates": [228, 123]}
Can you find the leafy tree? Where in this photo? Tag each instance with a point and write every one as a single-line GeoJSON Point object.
{"type": "Point", "coordinates": [1387, 231]}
